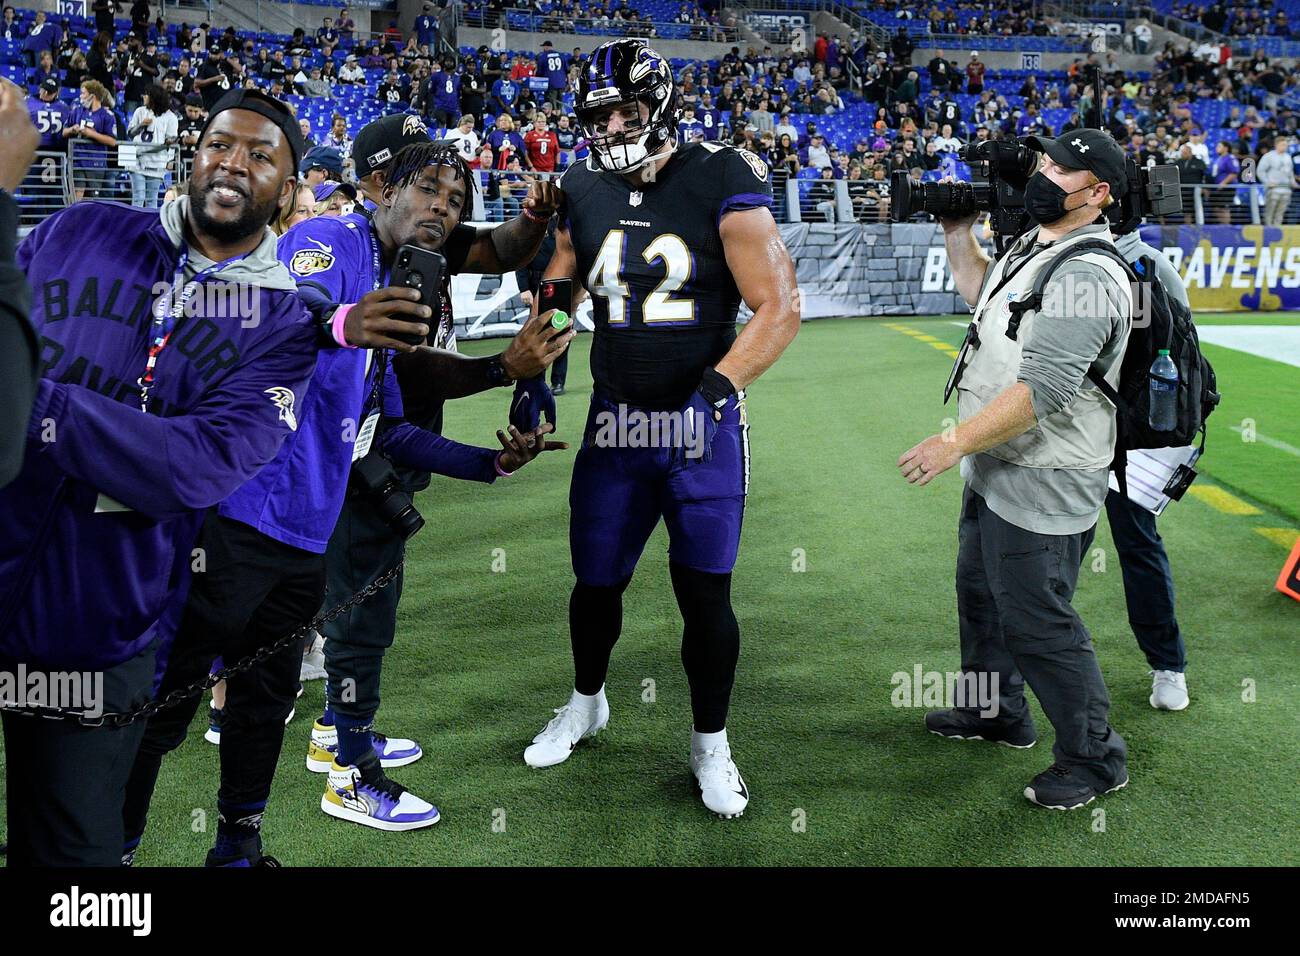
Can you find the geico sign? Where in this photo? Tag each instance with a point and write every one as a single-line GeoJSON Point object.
{"type": "Point", "coordinates": [797, 21]}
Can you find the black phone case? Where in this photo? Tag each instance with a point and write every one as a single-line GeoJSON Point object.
{"type": "Point", "coordinates": [417, 268]}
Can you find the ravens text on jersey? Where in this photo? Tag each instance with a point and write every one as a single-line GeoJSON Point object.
{"type": "Point", "coordinates": [664, 301]}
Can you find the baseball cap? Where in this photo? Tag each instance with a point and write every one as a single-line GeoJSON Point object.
{"type": "Point", "coordinates": [196, 99]}
{"type": "Point", "coordinates": [49, 85]}
{"type": "Point", "coordinates": [263, 104]}
{"type": "Point", "coordinates": [328, 188]}
{"type": "Point", "coordinates": [1089, 149]}
{"type": "Point", "coordinates": [324, 157]}
{"type": "Point", "coordinates": [378, 142]}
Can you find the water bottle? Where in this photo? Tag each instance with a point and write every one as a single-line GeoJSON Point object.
{"type": "Point", "coordinates": [1163, 415]}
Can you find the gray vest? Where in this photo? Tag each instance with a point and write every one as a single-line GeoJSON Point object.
{"type": "Point", "coordinates": [1082, 434]}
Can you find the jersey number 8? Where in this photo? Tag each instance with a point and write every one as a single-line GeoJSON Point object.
{"type": "Point", "coordinates": [606, 279]}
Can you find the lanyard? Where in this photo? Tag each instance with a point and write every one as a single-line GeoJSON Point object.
{"type": "Point", "coordinates": [380, 366]}
{"type": "Point", "coordinates": [164, 317]}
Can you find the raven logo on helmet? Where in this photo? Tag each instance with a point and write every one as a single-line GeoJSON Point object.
{"type": "Point", "coordinates": [622, 73]}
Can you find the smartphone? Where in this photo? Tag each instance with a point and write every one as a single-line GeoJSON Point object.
{"type": "Point", "coordinates": [556, 294]}
{"type": "Point", "coordinates": [419, 269]}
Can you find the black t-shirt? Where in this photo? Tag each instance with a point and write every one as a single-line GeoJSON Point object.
{"type": "Point", "coordinates": [214, 91]}
{"type": "Point", "coordinates": [274, 70]}
{"type": "Point", "coordinates": [664, 301]}
{"type": "Point", "coordinates": [138, 78]}
{"type": "Point", "coordinates": [187, 125]}
{"type": "Point", "coordinates": [421, 404]}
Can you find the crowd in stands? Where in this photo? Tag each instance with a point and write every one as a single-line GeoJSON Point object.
{"type": "Point", "coordinates": [511, 112]}
{"type": "Point", "coordinates": [1259, 18]}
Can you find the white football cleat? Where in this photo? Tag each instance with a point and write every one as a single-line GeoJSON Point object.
{"type": "Point", "coordinates": [569, 725]}
{"type": "Point", "coordinates": [719, 782]}
{"type": "Point", "coordinates": [1169, 690]}
{"type": "Point", "coordinates": [313, 661]}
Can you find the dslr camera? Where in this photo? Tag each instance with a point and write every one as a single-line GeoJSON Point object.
{"type": "Point", "coordinates": [374, 478]}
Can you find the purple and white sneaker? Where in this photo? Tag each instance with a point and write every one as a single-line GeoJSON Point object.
{"type": "Point", "coordinates": [391, 751]}
{"type": "Point", "coordinates": [366, 795]}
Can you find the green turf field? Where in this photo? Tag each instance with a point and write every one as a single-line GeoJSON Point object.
{"type": "Point", "coordinates": [482, 658]}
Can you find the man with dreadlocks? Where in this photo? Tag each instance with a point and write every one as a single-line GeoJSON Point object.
{"type": "Point", "coordinates": [364, 546]}
{"type": "Point", "coordinates": [426, 191]}
{"type": "Point", "coordinates": [353, 408]}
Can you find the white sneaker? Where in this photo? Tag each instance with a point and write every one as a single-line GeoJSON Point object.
{"type": "Point", "coordinates": [569, 725]}
{"type": "Point", "coordinates": [313, 661]}
{"type": "Point", "coordinates": [721, 787]}
{"type": "Point", "coordinates": [1169, 690]}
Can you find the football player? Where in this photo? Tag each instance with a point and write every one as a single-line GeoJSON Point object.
{"type": "Point", "coordinates": [668, 240]}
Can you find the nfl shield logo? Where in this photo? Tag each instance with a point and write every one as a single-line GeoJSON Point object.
{"type": "Point", "coordinates": [635, 198]}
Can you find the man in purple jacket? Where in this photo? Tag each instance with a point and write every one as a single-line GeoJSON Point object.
{"type": "Point", "coordinates": [269, 538]}
{"type": "Point", "coordinates": [173, 357]}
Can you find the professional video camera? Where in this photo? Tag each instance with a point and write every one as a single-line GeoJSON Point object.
{"type": "Point", "coordinates": [1000, 170]}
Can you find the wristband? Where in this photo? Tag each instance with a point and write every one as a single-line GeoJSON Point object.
{"type": "Point", "coordinates": [496, 372]}
{"type": "Point", "coordinates": [496, 463]}
{"type": "Point", "coordinates": [336, 325]}
{"type": "Point", "coordinates": [533, 217]}
{"type": "Point", "coordinates": [716, 388]}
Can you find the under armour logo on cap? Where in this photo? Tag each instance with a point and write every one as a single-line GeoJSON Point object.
{"type": "Point", "coordinates": [1078, 142]}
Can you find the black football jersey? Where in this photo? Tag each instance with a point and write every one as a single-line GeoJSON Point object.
{"type": "Point", "coordinates": [663, 298]}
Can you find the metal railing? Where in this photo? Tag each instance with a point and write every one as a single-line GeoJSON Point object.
{"type": "Point", "coordinates": [526, 22]}
{"type": "Point", "coordinates": [45, 189]}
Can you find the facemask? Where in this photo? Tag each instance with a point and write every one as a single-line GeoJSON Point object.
{"type": "Point", "coordinates": [1045, 201]}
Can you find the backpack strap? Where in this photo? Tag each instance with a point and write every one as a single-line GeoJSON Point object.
{"type": "Point", "coordinates": [1034, 301]}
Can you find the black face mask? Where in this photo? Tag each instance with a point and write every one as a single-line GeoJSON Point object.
{"type": "Point", "coordinates": [1045, 201]}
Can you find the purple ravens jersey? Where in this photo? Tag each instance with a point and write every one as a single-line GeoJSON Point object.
{"type": "Point", "coordinates": [49, 120]}
{"type": "Point", "coordinates": [664, 301]}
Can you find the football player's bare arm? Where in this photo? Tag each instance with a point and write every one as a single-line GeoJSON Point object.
{"type": "Point", "coordinates": [764, 274]}
{"type": "Point", "coordinates": [513, 244]}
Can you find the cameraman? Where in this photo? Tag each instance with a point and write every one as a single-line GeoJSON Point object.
{"type": "Point", "coordinates": [1148, 583]}
{"type": "Point", "coordinates": [1035, 443]}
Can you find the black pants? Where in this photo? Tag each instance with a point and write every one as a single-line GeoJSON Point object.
{"type": "Point", "coordinates": [1013, 602]}
{"type": "Point", "coordinates": [361, 549]}
{"type": "Point", "coordinates": [254, 590]}
{"type": "Point", "coordinates": [1148, 583]}
{"type": "Point", "coordinates": [560, 369]}
{"type": "Point", "coordinates": [67, 782]}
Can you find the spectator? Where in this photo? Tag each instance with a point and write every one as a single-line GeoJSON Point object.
{"type": "Point", "coordinates": [346, 27]}
{"type": "Point", "coordinates": [317, 86]}
{"type": "Point", "coordinates": [542, 146]}
{"type": "Point", "coordinates": [43, 36]}
{"type": "Point", "coordinates": [92, 129]}
{"type": "Point", "coordinates": [817, 155]}
{"type": "Point", "coordinates": [351, 74]}
{"type": "Point", "coordinates": [338, 138]}
{"type": "Point", "coordinates": [465, 139]}
{"type": "Point", "coordinates": [426, 27]}
{"type": "Point", "coordinates": [391, 91]}
{"type": "Point", "coordinates": [505, 142]}
{"type": "Point", "coordinates": [299, 208]}
{"type": "Point", "coordinates": [153, 126]}
{"type": "Point", "coordinates": [327, 38]}
{"type": "Point", "coordinates": [190, 127]}
{"type": "Point", "coordinates": [1277, 174]}
{"type": "Point", "coordinates": [974, 74]}
{"type": "Point", "coordinates": [1225, 171]}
